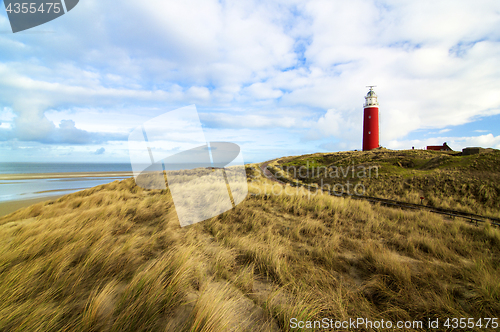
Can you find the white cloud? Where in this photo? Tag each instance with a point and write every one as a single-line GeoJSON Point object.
{"type": "Point", "coordinates": [197, 92]}
{"type": "Point", "coordinates": [456, 143]}
{"type": "Point", "coordinates": [331, 124]}
{"type": "Point", "coordinates": [436, 64]}
{"type": "Point", "coordinates": [6, 114]}
{"type": "Point", "coordinates": [222, 120]}
{"type": "Point", "coordinates": [263, 91]}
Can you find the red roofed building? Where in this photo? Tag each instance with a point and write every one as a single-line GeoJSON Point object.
{"type": "Point", "coordinates": [443, 147]}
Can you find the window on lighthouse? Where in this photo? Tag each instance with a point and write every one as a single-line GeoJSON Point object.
{"type": "Point", "coordinates": [369, 132]}
{"type": "Point", "coordinates": [369, 116]}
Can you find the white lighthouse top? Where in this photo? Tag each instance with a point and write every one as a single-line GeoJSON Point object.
{"type": "Point", "coordinates": [371, 98]}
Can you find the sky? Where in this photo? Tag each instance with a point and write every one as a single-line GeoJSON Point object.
{"type": "Point", "coordinates": [276, 77]}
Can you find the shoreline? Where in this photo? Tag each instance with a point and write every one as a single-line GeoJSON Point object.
{"type": "Point", "coordinates": [9, 206]}
{"type": "Point", "coordinates": [32, 176]}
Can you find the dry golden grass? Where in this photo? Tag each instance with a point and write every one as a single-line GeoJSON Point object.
{"type": "Point", "coordinates": [114, 258]}
{"type": "Point", "coordinates": [446, 179]}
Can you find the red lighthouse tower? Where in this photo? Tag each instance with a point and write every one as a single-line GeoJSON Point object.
{"type": "Point", "coordinates": [370, 121]}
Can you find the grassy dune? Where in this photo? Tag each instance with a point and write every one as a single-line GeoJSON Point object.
{"type": "Point", "coordinates": [114, 258]}
{"type": "Point", "coordinates": [446, 179]}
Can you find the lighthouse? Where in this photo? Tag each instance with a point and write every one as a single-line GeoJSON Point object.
{"type": "Point", "coordinates": [370, 121]}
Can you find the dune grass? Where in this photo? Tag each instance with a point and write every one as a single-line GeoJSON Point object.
{"type": "Point", "coordinates": [114, 258]}
{"type": "Point", "coordinates": [445, 179]}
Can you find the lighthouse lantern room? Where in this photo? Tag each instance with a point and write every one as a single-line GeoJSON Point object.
{"type": "Point", "coordinates": [370, 121]}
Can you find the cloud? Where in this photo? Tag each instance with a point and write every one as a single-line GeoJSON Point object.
{"type": "Point", "coordinates": [225, 120]}
{"type": "Point", "coordinates": [39, 129]}
{"type": "Point", "coordinates": [100, 151]}
{"type": "Point", "coordinates": [68, 133]}
{"type": "Point", "coordinates": [4, 134]}
{"type": "Point", "coordinates": [263, 91]}
{"type": "Point", "coordinates": [336, 124]}
{"type": "Point", "coordinates": [435, 65]}
{"type": "Point", "coordinates": [339, 146]}
{"type": "Point", "coordinates": [456, 143]}
{"type": "Point", "coordinates": [6, 115]}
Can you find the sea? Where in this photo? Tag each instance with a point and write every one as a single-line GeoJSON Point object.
{"type": "Point", "coordinates": [21, 189]}
{"type": "Point", "coordinates": [32, 168]}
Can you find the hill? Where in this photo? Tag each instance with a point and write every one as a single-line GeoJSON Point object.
{"type": "Point", "coordinates": [114, 258]}
{"type": "Point", "coordinates": [445, 179]}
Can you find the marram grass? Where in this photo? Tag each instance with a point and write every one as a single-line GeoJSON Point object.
{"type": "Point", "coordinates": [114, 258]}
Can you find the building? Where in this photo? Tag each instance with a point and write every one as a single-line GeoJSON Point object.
{"type": "Point", "coordinates": [370, 121]}
{"type": "Point", "coordinates": [443, 147]}
{"type": "Point", "coordinates": [471, 150]}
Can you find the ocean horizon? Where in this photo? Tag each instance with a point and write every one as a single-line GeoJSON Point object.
{"type": "Point", "coordinates": [33, 168]}
{"type": "Point", "coordinates": [22, 189]}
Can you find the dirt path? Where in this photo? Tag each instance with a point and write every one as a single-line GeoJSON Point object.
{"type": "Point", "coordinates": [397, 204]}
{"type": "Point", "coordinates": [267, 173]}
